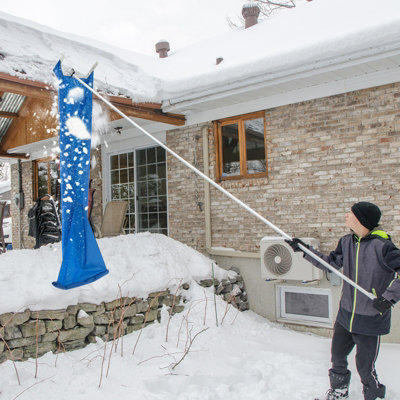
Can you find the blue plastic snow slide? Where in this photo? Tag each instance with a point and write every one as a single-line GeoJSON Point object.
{"type": "Point", "coordinates": [82, 261]}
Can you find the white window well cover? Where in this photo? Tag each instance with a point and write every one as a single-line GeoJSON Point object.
{"type": "Point", "coordinates": [304, 305]}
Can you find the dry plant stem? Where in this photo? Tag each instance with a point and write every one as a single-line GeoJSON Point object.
{"type": "Point", "coordinates": [188, 349]}
{"type": "Point", "coordinates": [112, 344]}
{"type": "Point", "coordinates": [205, 308]}
{"type": "Point", "coordinates": [12, 357]}
{"type": "Point", "coordinates": [234, 319]}
{"type": "Point", "coordinates": [36, 383]}
{"type": "Point", "coordinates": [215, 300]}
{"type": "Point", "coordinates": [37, 346]}
{"type": "Point", "coordinates": [8, 348]}
{"type": "Point", "coordinates": [104, 354]}
{"type": "Point", "coordinates": [228, 306]}
{"type": "Point", "coordinates": [163, 355]}
{"type": "Point", "coordinates": [171, 311]}
{"type": "Point", "coordinates": [144, 323]}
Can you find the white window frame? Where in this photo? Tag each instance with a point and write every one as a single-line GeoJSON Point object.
{"type": "Point", "coordinates": [283, 316]}
{"type": "Point", "coordinates": [106, 165]}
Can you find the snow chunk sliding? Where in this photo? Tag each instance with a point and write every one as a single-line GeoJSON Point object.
{"type": "Point", "coordinates": [140, 263]}
{"type": "Point", "coordinates": [77, 128]}
{"type": "Point", "coordinates": [75, 95]}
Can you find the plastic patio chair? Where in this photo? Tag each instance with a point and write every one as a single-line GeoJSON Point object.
{"type": "Point", "coordinates": [113, 219]}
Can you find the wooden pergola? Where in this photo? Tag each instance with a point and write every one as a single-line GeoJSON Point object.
{"type": "Point", "coordinates": [34, 121]}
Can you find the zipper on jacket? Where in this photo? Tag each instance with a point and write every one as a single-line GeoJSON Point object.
{"type": "Point", "coordinates": [355, 290]}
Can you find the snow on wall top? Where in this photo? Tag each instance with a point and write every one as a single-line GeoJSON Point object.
{"type": "Point", "coordinates": [321, 32]}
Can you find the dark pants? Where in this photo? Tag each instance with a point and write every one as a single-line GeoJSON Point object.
{"type": "Point", "coordinates": [367, 348]}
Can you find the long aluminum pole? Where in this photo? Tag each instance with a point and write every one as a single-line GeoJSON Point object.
{"type": "Point", "coordinates": [221, 189]}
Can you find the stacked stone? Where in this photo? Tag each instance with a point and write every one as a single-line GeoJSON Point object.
{"type": "Point", "coordinates": [34, 333]}
{"type": "Point", "coordinates": [232, 290]}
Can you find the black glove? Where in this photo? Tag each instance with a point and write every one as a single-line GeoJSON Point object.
{"type": "Point", "coordinates": [294, 244]}
{"type": "Point", "coordinates": [382, 304]}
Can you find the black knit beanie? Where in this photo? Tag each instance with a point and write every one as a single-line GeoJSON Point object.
{"type": "Point", "coordinates": [367, 213]}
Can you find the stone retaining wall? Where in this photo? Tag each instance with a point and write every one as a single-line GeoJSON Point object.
{"type": "Point", "coordinates": [31, 334]}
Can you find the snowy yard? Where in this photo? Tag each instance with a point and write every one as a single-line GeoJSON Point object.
{"type": "Point", "coordinates": [245, 357]}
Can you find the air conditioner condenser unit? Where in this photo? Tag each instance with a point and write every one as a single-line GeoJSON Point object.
{"type": "Point", "coordinates": [280, 262]}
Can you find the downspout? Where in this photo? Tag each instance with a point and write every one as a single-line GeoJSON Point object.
{"type": "Point", "coordinates": [207, 210]}
{"type": "Point", "coordinates": [19, 201]}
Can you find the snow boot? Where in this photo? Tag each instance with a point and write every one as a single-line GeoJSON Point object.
{"type": "Point", "coordinates": [339, 386]}
{"type": "Point", "coordinates": [337, 394]}
{"type": "Point", "coordinates": [372, 392]}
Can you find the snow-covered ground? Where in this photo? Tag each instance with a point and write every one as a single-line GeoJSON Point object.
{"type": "Point", "coordinates": [244, 357]}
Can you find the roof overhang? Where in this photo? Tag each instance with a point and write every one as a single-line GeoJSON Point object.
{"type": "Point", "coordinates": [322, 78]}
{"type": "Point", "coordinates": [38, 90]}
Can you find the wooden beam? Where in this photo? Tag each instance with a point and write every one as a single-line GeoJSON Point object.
{"type": "Point", "coordinates": [4, 154]}
{"type": "Point", "coordinates": [24, 87]}
{"type": "Point", "coordinates": [5, 114]}
{"type": "Point", "coordinates": [148, 111]}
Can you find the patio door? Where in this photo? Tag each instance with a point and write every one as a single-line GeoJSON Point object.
{"type": "Point", "coordinates": [140, 177]}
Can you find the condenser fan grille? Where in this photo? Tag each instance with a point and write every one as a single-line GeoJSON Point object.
{"type": "Point", "coordinates": [277, 259]}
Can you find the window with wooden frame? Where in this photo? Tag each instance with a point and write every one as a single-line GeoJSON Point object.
{"type": "Point", "coordinates": [46, 178]}
{"type": "Point", "coordinates": [241, 147]}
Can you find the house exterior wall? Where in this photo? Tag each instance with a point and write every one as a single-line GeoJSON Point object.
{"type": "Point", "coordinates": [28, 188]}
{"type": "Point", "coordinates": [323, 155]}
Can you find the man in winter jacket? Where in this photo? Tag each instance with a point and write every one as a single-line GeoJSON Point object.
{"type": "Point", "coordinates": [370, 259]}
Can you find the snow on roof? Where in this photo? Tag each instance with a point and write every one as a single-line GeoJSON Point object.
{"type": "Point", "coordinates": [30, 51]}
{"type": "Point", "coordinates": [321, 32]}
{"type": "Point", "coordinates": [312, 34]}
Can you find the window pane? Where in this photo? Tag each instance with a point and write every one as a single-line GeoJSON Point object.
{"type": "Point", "coordinates": [123, 176]}
{"type": "Point", "coordinates": [114, 177]}
{"type": "Point", "coordinates": [54, 182]}
{"type": "Point", "coordinates": [42, 179]}
{"type": "Point", "coordinates": [255, 146]}
{"type": "Point", "coordinates": [114, 162]}
{"type": "Point", "coordinates": [230, 150]}
{"type": "Point", "coordinates": [123, 160]}
{"type": "Point", "coordinates": [314, 305]}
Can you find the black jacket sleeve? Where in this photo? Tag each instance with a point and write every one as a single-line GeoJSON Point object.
{"type": "Point", "coordinates": [391, 259]}
{"type": "Point", "coordinates": [335, 258]}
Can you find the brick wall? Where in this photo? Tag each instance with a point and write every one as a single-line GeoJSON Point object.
{"type": "Point", "coordinates": [323, 155]}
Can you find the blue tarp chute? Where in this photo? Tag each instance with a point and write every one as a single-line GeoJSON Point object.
{"type": "Point", "coordinates": [82, 261]}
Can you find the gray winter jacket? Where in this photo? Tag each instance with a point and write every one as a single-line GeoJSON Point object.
{"type": "Point", "coordinates": [373, 263]}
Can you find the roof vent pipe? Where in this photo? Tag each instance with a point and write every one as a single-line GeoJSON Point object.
{"type": "Point", "coordinates": [162, 48]}
{"type": "Point", "coordinates": [250, 12]}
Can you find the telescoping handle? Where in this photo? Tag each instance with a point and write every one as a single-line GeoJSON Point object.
{"type": "Point", "coordinates": [221, 189]}
{"type": "Point", "coordinates": [344, 277]}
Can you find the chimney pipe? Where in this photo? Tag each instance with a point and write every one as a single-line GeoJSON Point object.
{"type": "Point", "coordinates": [162, 48]}
{"type": "Point", "coordinates": [250, 12]}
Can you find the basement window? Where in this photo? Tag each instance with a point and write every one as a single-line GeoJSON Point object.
{"type": "Point", "coordinates": [304, 305]}
{"type": "Point", "coordinates": [241, 147]}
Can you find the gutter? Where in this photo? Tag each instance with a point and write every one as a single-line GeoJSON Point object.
{"type": "Point", "coordinates": [207, 210]}
{"type": "Point", "coordinates": [281, 76]}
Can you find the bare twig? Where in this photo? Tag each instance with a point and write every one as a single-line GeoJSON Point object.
{"type": "Point", "coordinates": [144, 322]}
{"type": "Point", "coordinates": [172, 309]}
{"type": "Point", "coordinates": [12, 357]}
{"type": "Point", "coordinates": [37, 346]}
{"type": "Point", "coordinates": [205, 308]}
{"type": "Point", "coordinates": [215, 300]}
{"type": "Point", "coordinates": [36, 383]}
{"type": "Point", "coordinates": [228, 306]}
{"type": "Point", "coordinates": [188, 349]}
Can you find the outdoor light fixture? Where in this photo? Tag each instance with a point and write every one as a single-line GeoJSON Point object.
{"type": "Point", "coordinates": [118, 129]}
